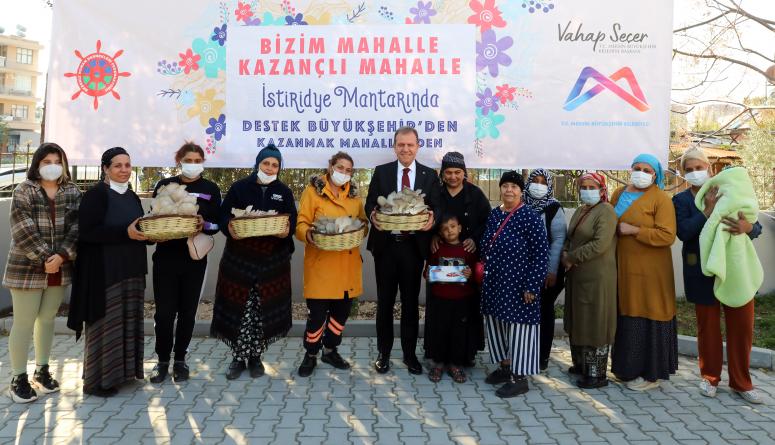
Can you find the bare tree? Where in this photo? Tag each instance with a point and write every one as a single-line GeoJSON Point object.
{"type": "Point", "coordinates": [715, 42]}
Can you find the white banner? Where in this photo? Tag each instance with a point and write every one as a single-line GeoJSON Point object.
{"type": "Point", "coordinates": [556, 84]}
{"type": "Point", "coordinates": [350, 88]}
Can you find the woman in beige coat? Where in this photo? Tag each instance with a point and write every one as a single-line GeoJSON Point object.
{"type": "Point", "coordinates": [589, 256]}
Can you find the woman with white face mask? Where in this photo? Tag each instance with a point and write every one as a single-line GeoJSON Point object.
{"type": "Point", "coordinates": [589, 256]}
{"type": "Point", "coordinates": [331, 278]}
{"type": "Point", "coordinates": [698, 288]}
{"type": "Point", "coordinates": [646, 346]}
{"type": "Point", "coordinates": [540, 197]}
{"type": "Point", "coordinates": [44, 231]}
{"type": "Point", "coordinates": [109, 286]}
{"type": "Point", "coordinates": [253, 296]}
{"type": "Point", "coordinates": [177, 277]}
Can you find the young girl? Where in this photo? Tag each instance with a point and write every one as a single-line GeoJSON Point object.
{"type": "Point", "coordinates": [445, 330]}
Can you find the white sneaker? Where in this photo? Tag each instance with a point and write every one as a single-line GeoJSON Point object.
{"type": "Point", "coordinates": [751, 396]}
{"type": "Point", "coordinates": [707, 389]}
{"type": "Point", "coordinates": [641, 384]}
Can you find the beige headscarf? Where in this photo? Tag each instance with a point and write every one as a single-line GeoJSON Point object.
{"type": "Point", "coordinates": [694, 153]}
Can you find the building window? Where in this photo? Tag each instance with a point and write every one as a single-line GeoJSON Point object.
{"type": "Point", "coordinates": [24, 55]}
{"type": "Point", "coordinates": [19, 111]}
{"type": "Point", "coordinates": [23, 84]}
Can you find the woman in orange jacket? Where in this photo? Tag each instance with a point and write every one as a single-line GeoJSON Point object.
{"type": "Point", "coordinates": [331, 278]}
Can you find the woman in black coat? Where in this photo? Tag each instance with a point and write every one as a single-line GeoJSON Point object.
{"type": "Point", "coordinates": [109, 283]}
{"type": "Point", "coordinates": [472, 208]}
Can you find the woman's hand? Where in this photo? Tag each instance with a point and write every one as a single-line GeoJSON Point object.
{"type": "Point", "coordinates": [308, 236]}
{"type": "Point", "coordinates": [200, 223]}
{"type": "Point", "coordinates": [710, 199]}
{"type": "Point", "coordinates": [551, 280]}
{"type": "Point", "coordinates": [737, 226]}
{"type": "Point", "coordinates": [566, 262]}
{"type": "Point", "coordinates": [469, 245]}
{"type": "Point", "coordinates": [53, 263]}
{"type": "Point", "coordinates": [435, 241]}
{"type": "Point", "coordinates": [628, 229]}
{"type": "Point", "coordinates": [232, 233]}
{"type": "Point", "coordinates": [135, 234]}
{"type": "Point", "coordinates": [529, 297]}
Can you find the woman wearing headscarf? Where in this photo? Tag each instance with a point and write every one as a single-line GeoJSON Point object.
{"type": "Point", "coordinates": [253, 295]}
{"type": "Point", "coordinates": [177, 277]}
{"type": "Point", "coordinates": [109, 285]}
{"type": "Point", "coordinates": [515, 254]}
{"type": "Point", "coordinates": [699, 289]}
{"type": "Point", "coordinates": [646, 345]}
{"type": "Point", "coordinates": [589, 255]}
{"type": "Point", "coordinates": [540, 197]}
{"type": "Point", "coordinates": [44, 231]}
{"type": "Point", "coordinates": [471, 208]}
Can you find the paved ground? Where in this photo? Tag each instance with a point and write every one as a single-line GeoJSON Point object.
{"type": "Point", "coordinates": [361, 406]}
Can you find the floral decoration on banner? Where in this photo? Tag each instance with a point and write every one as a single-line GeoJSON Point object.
{"type": "Point", "coordinates": [538, 5]}
{"type": "Point", "coordinates": [494, 94]}
{"type": "Point", "coordinates": [198, 79]}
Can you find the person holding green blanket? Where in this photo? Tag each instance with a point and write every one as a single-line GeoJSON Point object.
{"type": "Point", "coordinates": [710, 216]}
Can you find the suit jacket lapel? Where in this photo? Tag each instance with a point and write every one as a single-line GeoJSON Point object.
{"type": "Point", "coordinates": [393, 175]}
{"type": "Point", "coordinates": [419, 175]}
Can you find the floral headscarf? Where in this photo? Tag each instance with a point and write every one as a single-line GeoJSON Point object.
{"type": "Point", "coordinates": [600, 180]}
{"type": "Point", "coordinates": [540, 204]}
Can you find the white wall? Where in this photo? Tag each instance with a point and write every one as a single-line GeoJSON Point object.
{"type": "Point", "coordinates": [765, 247]}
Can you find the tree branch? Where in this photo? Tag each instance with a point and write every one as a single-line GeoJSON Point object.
{"type": "Point", "coordinates": [727, 59]}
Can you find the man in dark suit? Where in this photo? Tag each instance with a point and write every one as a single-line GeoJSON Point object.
{"type": "Point", "coordinates": [399, 256]}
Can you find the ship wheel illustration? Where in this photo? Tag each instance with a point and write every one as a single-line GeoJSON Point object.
{"type": "Point", "coordinates": [97, 74]}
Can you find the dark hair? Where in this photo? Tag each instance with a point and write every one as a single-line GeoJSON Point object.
{"type": "Point", "coordinates": [44, 150]}
{"type": "Point", "coordinates": [445, 218]}
{"type": "Point", "coordinates": [405, 130]}
{"type": "Point", "coordinates": [340, 155]}
{"type": "Point", "coordinates": [188, 147]}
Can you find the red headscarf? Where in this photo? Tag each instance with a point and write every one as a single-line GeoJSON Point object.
{"type": "Point", "coordinates": [600, 179]}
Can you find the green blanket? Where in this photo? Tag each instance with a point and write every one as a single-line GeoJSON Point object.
{"type": "Point", "coordinates": [730, 258]}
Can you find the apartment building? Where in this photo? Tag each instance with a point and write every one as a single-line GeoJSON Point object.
{"type": "Point", "coordinates": [19, 77]}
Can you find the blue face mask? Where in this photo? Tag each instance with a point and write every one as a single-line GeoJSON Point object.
{"type": "Point", "coordinates": [590, 197]}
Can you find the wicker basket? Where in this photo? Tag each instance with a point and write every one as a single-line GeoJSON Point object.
{"type": "Point", "coordinates": [167, 227]}
{"type": "Point", "coordinates": [267, 225]}
{"type": "Point", "coordinates": [339, 241]}
{"type": "Point", "coordinates": [402, 222]}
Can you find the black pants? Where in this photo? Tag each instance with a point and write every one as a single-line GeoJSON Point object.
{"type": "Point", "coordinates": [398, 267]}
{"type": "Point", "coordinates": [548, 298]}
{"type": "Point", "coordinates": [325, 323]}
{"type": "Point", "coordinates": [446, 330]}
{"type": "Point", "coordinates": [177, 285]}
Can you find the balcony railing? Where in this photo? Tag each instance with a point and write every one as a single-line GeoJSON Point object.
{"type": "Point", "coordinates": [15, 92]}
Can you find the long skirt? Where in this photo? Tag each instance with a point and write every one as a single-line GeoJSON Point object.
{"type": "Point", "coordinates": [644, 348]}
{"type": "Point", "coordinates": [114, 343]}
{"type": "Point", "coordinates": [253, 296]}
{"type": "Point", "coordinates": [591, 361]}
{"type": "Point", "coordinates": [446, 331]}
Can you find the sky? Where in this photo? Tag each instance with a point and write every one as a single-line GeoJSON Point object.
{"type": "Point", "coordinates": [36, 17]}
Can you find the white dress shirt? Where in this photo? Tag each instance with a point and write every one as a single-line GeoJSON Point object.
{"type": "Point", "coordinates": [400, 174]}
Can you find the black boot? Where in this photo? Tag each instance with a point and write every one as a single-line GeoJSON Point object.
{"type": "Point", "coordinates": [308, 365]}
{"type": "Point", "coordinates": [256, 367]}
{"type": "Point", "coordinates": [516, 386]}
{"type": "Point", "coordinates": [160, 372]}
{"type": "Point", "coordinates": [180, 371]}
{"type": "Point", "coordinates": [235, 369]}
